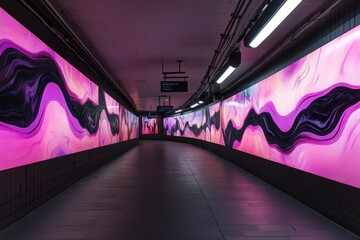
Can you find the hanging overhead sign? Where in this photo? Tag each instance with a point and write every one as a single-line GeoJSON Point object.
{"type": "Point", "coordinates": [164, 109]}
{"type": "Point", "coordinates": [174, 86]}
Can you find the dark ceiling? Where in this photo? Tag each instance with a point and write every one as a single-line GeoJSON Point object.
{"type": "Point", "coordinates": [132, 38]}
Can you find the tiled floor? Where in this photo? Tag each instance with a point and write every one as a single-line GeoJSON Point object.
{"type": "Point", "coordinates": [166, 190]}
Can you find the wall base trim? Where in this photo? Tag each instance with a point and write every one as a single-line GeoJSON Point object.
{"type": "Point", "coordinates": [27, 187]}
{"type": "Point", "coordinates": [336, 201]}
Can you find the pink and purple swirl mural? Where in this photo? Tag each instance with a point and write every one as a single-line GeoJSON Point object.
{"type": "Point", "coordinates": [129, 125]}
{"type": "Point", "coordinates": [149, 125]}
{"type": "Point", "coordinates": [203, 124]}
{"type": "Point", "coordinates": [47, 107]}
{"type": "Point", "coordinates": [306, 116]}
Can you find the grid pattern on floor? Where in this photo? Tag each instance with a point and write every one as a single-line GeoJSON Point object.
{"type": "Point", "coordinates": [167, 190]}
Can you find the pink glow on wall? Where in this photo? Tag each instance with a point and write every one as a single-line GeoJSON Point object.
{"type": "Point", "coordinates": [203, 124]}
{"type": "Point", "coordinates": [149, 125]}
{"type": "Point", "coordinates": [47, 107]}
{"type": "Point", "coordinates": [306, 116]}
{"type": "Point", "coordinates": [129, 125]}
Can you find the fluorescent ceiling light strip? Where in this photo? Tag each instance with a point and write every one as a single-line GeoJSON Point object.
{"type": "Point", "coordinates": [177, 111]}
{"type": "Point", "coordinates": [225, 74]}
{"type": "Point", "coordinates": [194, 105]}
{"type": "Point", "coordinates": [274, 22]}
{"type": "Point", "coordinates": [200, 102]}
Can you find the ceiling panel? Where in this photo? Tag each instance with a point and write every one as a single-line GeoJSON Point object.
{"type": "Point", "coordinates": [132, 38]}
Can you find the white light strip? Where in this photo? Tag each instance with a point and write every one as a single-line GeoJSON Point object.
{"type": "Point", "coordinates": [225, 74]}
{"type": "Point", "coordinates": [200, 102]}
{"type": "Point", "coordinates": [274, 22]}
{"type": "Point", "coordinates": [194, 105]}
{"type": "Point", "coordinates": [177, 111]}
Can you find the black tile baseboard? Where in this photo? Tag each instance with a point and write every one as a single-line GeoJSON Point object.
{"type": "Point", "coordinates": [25, 188]}
{"type": "Point", "coordinates": [336, 201]}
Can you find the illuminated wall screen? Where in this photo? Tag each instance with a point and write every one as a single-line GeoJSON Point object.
{"type": "Point", "coordinates": [149, 125]}
{"type": "Point", "coordinates": [47, 107]}
{"type": "Point", "coordinates": [306, 116]}
{"type": "Point", "coordinates": [129, 124]}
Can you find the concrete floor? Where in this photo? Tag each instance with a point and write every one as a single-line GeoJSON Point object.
{"type": "Point", "coordinates": [166, 190]}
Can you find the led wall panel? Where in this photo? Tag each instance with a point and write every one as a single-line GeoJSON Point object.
{"type": "Point", "coordinates": [47, 107]}
{"type": "Point", "coordinates": [129, 125]}
{"type": "Point", "coordinates": [149, 125]}
{"type": "Point", "coordinates": [203, 124]}
{"type": "Point", "coordinates": [306, 116]}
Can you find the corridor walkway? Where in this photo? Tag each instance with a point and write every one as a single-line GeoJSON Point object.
{"type": "Point", "coordinates": [165, 190]}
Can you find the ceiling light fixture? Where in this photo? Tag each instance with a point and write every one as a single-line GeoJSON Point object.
{"type": "Point", "coordinates": [271, 18]}
{"type": "Point", "coordinates": [194, 105]}
{"type": "Point", "coordinates": [229, 67]}
{"type": "Point", "coordinates": [197, 104]}
{"type": "Point", "coordinates": [227, 73]}
{"type": "Point", "coordinates": [177, 111]}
